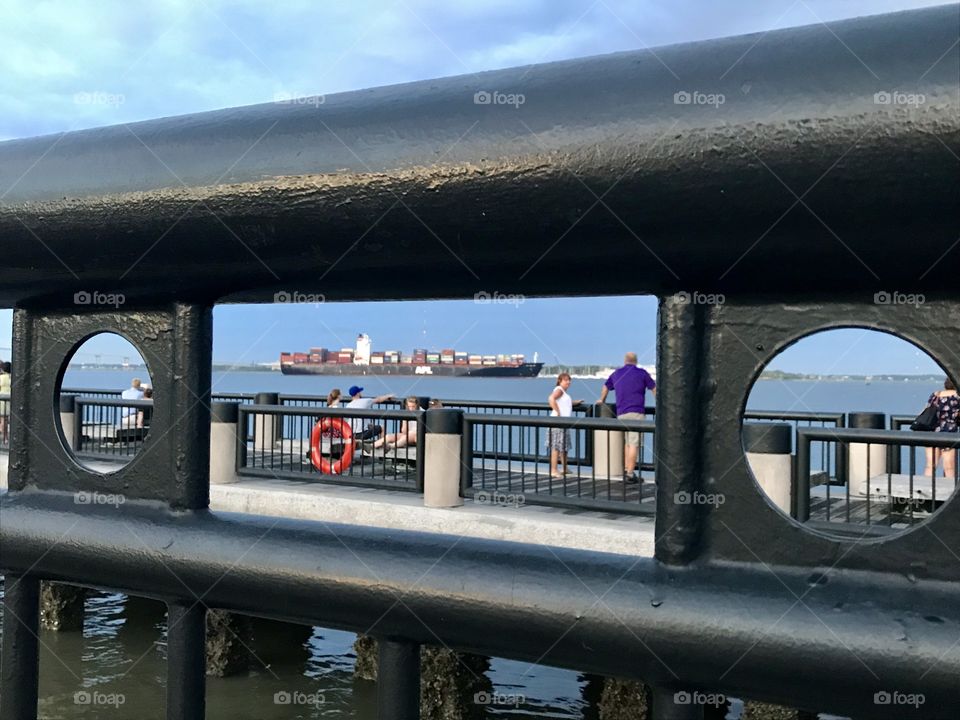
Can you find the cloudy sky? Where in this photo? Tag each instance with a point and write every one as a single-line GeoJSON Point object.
{"type": "Point", "coordinates": [72, 65]}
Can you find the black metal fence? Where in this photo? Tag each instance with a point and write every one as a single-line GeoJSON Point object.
{"type": "Point", "coordinates": [876, 492]}
{"type": "Point", "coordinates": [510, 456]}
{"type": "Point", "coordinates": [110, 429]}
{"type": "Point", "coordinates": [373, 447]}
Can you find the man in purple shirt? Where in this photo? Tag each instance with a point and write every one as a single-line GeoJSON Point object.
{"type": "Point", "coordinates": [630, 383]}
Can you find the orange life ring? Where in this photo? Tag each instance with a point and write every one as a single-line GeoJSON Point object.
{"type": "Point", "coordinates": [327, 426]}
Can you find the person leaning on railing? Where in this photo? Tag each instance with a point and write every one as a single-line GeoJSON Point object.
{"type": "Point", "coordinates": [630, 383]}
{"type": "Point", "coordinates": [947, 403]}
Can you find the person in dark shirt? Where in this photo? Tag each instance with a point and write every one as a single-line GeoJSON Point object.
{"type": "Point", "coordinates": [947, 402]}
{"type": "Point", "coordinates": [630, 384]}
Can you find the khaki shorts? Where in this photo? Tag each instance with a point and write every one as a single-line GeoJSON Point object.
{"type": "Point", "coordinates": [631, 439]}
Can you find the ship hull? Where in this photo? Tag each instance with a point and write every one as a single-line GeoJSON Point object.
{"type": "Point", "coordinates": [526, 370]}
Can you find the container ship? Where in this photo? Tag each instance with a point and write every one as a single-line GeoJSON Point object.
{"type": "Point", "coordinates": [445, 363]}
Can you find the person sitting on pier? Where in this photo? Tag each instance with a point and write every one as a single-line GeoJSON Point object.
{"type": "Point", "coordinates": [406, 436]}
{"type": "Point", "coordinates": [128, 415]}
{"type": "Point", "coordinates": [143, 415]}
{"type": "Point", "coordinates": [630, 383]}
{"type": "Point", "coordinates": [947, 403]}
{"type": "Point", "coordinates": [358, 402]}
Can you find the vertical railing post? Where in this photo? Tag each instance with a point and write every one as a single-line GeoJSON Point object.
{"type": "Point", "coordinates": [186, 661]}
{"type": "Point", "coordinates": [679, 455]}
{"type": "Point", "coordinates": [668, 704]}
{"type": "Point", "coordinates": [398, 680]}
{"type": "Point", "coordinates": [466, 455]}
{"type": "Point", "coordinates": [800, 506]}
{"type": "Point", "coordinates": [19, 680]}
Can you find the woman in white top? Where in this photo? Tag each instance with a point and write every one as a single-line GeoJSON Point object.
{"type": "Point", "coordinates": [558, 439]}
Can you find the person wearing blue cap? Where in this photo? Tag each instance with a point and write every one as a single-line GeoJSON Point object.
{"type": "Point", "coordinates": [358, 402]}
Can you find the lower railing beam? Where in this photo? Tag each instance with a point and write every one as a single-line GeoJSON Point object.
{"type": "Point", "coordinates": [398, 680]}
{"type": "Point", "coordinates": [186, 661]}
{"type": "Point", "coordinates": [19, 675]}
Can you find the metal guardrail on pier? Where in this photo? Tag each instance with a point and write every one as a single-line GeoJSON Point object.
{"type": "Point", "coordinates": [509, 456]}
{"type": "Point", "coordinates": [275, 443]}
{"type": "Point", "coordinates": [110, 429]}
{"type": "Point", "coordinates": [875, 494]}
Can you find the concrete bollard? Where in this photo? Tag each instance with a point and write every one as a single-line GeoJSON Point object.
{"type": "Point", "coordinates": [69, 419]}
{"type": "Point", "coordinates": [266, 428]}
{"type": "Point", "coordinates": [768, 450]}
{"type": "Point", "coordinates": [223, 442]}
{"type": "Point", "coordinates": [607, 447]}
{"type": "Point", "coordinates": [858, 457]}
{"type": "Point", "coordinates": [443, 434]}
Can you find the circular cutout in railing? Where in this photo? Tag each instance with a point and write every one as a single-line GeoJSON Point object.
{"type": "Point", "coordinates": [827, 433]}
{"type": "Point", "coordinates": [105, 399]}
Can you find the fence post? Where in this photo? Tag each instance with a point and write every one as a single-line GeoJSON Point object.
{"type": "Point", "coordinates": [767, 447]}
{"type": "Point", "coordinates": [607, 447]}
{"type": "Point", "coordinates": [861, 456]}
{"type": "Point", "coordinates": [223, 442]}
{"type": "Point", "coordinates": [398, 680]}
{"type": "Point", "coordinates": [266, 428]}
{"type": "Point", "coordinates": [443, 431]}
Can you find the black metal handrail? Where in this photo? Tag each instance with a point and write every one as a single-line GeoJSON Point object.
{"type": "Point", "coordinates": [806, 436]}
{"type": "Point", "coordinates": [519, 473]}
{"type": "Point", "coordinates": [293, 460]}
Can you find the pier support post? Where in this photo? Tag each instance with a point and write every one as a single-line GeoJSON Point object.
{"type": "Point", "coordinates": [266, 428]}
{"type": "Point", "coordinates": [223, 442]}
{"type": "Point", "coordinates": [228, 641]}
{"type": "Point", "coordinates": [453, 686]}
{"type": "Point", "coordinates": [865, 461]}
{"type": "Point", "coordinates": [61, 606]}
{"type": "Point", "coordinates": [20, 665]}
{"type": "Point", "coordinates": [768, 448]}
{"type": "Point", "coordinates": [69, 422]}
{"type": "Point", "coordinates": [441, 458]}
{"type": "Point", "coordinates": [398, 680]}
{"type": "Point", "coordinates": [669, 704]}
{"type": "Point", "coordinates": [607, 447]}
